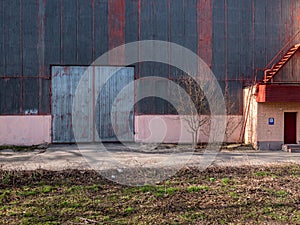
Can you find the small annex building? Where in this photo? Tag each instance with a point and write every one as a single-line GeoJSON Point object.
{"type": "Point", "coordinates": [272, 107]}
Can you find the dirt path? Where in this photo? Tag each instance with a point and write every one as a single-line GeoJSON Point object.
{"type": "Point", "coordinates": [60, 157]}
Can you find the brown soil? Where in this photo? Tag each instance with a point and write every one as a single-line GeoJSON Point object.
{"type": "Point", "coordinates": [233, 195]}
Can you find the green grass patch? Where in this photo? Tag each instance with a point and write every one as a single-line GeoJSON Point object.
{"type": "Point", "coordinates": [262, 174]}
{"type": "Point", "coordinates": [197, 188]}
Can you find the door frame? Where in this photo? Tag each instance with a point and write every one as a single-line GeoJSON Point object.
{"type": "Point", "coordinates": [52, 67]}
{"type": "Point", "coordinates": [284, 126]}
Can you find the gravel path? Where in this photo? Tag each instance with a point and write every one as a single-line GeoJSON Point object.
{"type": "Point", "coordinates": [60, 157]}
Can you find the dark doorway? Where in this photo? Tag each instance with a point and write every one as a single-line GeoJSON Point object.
{"type": "Point", "coordinates": [290, 127]}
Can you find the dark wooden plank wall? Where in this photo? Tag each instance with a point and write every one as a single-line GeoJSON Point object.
{"type": "Point", "coordinates": [233, 37]}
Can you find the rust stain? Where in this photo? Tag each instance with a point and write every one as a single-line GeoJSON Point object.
{"type": "Point", "coordinates": [205, 32]}
{"type": "Point", "coordinates": [116, 28]}
{"type": "Point", "coordinates": [66, 69]}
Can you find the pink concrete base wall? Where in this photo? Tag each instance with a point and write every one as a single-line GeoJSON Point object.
{"type": "Point", "coordinates": [173, 129]}
{"type": "Point", "coordinates": [25, 130]}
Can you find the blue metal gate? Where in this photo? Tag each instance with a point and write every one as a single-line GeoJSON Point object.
{"type": "Point", "coordinates": [97, 123]}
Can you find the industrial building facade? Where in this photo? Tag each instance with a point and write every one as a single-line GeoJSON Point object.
{"type": "Point", "coordinates": [236, 39]}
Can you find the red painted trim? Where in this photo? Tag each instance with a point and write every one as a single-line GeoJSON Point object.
{"type": "Point", "coordinates": [116, 29]}
{"type": "Point", "coordinates": [205, 30]}
{"type": "Point", "coordinates": [277, 93]}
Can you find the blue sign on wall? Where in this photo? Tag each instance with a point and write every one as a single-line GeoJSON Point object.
{"type": "Point", "coordinates": [271, 121]}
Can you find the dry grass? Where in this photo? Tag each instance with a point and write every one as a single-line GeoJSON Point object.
{"type": "Point", "coordinates": [233, 195]}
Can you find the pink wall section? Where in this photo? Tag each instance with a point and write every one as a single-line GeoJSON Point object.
{"type": "Point", "coordinates": [174, 129]}
{"type": "Point", "coordinates": [25, 130]}
{"type": "Point", "coordinates": [35, 130]}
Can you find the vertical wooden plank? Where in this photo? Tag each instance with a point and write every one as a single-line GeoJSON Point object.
{"type": "Point", "coordinates": [100, 27]}
{"type": "Point", "coordinates": [183, 26]}
{"type": "Point", "coordinates": [205, 30]}
{"type": "Point", "coordinates": [132, 26]}
{"type": "Point", "coordinates": [45, 107]}
{"type": "Point", "coordinates": [131, 21]}
{"type": "Point", "coordinates": [219, 45]}
{"type": "Point", "coordinates": [69, 32]}
{"type": "Point", "coordinates": [116, 29]}
{"type": "Point", "coordinates": [287, 24]}
{"type": "Point", "coordinates": [12, 100]}
{"type": "Point", "coordinates": [12, 39]}
{"type": "Point", "coordinates": [245, 37]}
{"type": "Point", "coordinates": [2, 96]}
{"type": "Point", "coordinates": [85, 40]}
{"type": "Point", "coordinates": [260, 60]}
{"type": "Point", "coordinates": [176, 29]}
{"type": "Point", "coordinates": [296, 60]}
{"type": "Point", "coordinates": [52, 34]}
{"type": "Point", "coordinates": [233, 39]}
{"type": "Point", "coordinates": [31, 96]}
{"type": "Point", "coordinates": [2, 42]}
{"type": "Point", "coordinates": [41, 39]}
{"type": "Point", "coordinates": [154, 26]}
{"type": "Point", "coordinates": [273, 44]}
{"type": "Point", "coordinates": [191, 25]}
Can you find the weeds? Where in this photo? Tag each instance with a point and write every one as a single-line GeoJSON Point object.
{"type": "Point", "coordinates": [197, 188]}
{"type": "Point", "coordinates": [216, 196]}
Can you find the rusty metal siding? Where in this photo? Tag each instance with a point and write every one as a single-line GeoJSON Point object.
{"type": "Point", "coordinates": [69, 32]}
{"type": "Point", "coordinates": [29, 34]}
{"type": "Point", "coordinates": [205, 30]}
{"type": "Point", "coordinates": [12, 38]}
{"type": "Point", "coordinates": [154, 26]}
{"type": "Point", "coordinates": [260, 14]}
{"type": "Point", "coordinates": [219, 40]}
{"type": "Point", "coordinates": [100, 27]}
{"type": "Point", "coordinates": [52, 34]}
{"type": "Point", "coordinates": [246, 28]}
{"type": "Point", "coordinates": [30, 93]}
{"type": "Point", "coordinates": [132, 13]}
{"type": "Point", "coordinates": [116, 23]}
{"type": "Point", "coordinates": [291, 20]}
{"type": "Point", "coordinates": [234, 37]}
{"type": "Point", "coordinates": [183, 27]}
{"type": "Point", "coordinates": [45, 99]}
{"type": "Point", "coordinates": [247, 35]}
{"type": "Point", "coordinates": [10, 96]}
{"type": "Point", "coordinates": [2, 40]}
{"type": "Point", "coordinates": [85, 32]}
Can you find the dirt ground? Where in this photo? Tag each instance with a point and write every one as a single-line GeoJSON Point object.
{"type": "Point", "coordinates": [218, 195]}
{"type": "Point", "coordinates": [116, 156]}
{"type": "Point", "coordinates": [59, 185]}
